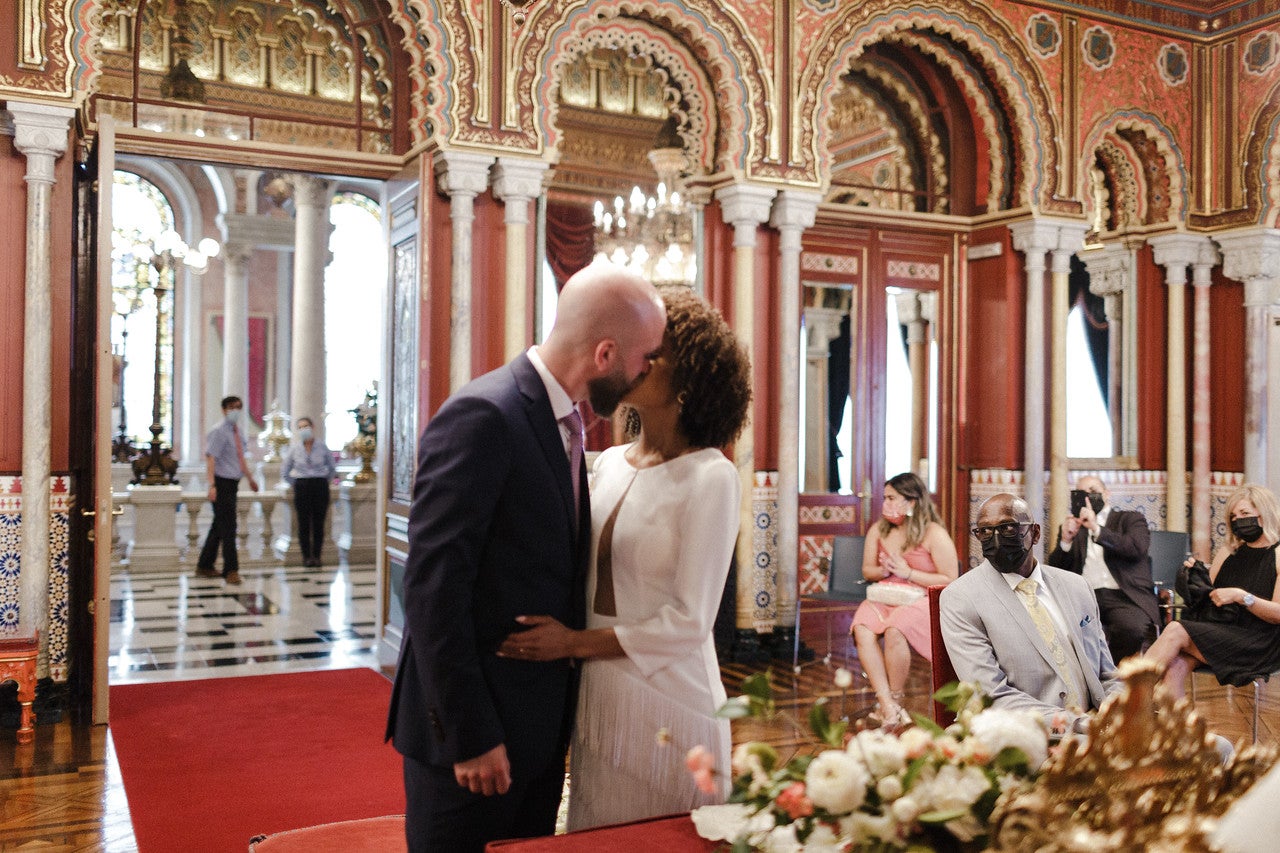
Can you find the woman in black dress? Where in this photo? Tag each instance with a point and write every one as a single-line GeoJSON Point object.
{"type": "Point", "coordinates": [1246, 643]}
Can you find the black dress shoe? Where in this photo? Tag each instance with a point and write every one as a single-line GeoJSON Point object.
{"type": "Point", "coordinates": [202, 572]}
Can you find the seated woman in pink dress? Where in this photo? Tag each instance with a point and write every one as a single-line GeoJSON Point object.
{"type": "Point", "coordinates": [906, 551]}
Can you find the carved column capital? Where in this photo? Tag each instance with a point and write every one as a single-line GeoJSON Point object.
{"type": "Point", "coordinates": [1252, 256]}
{"type": "Point", "coordinates": [462, 173]}
{"type": "Point", "coordinates": [310, 190]}
{"type": "Point", "coordinates": [516, 182]}
{"type": "Point", "coordinates": [40, 133]}
{"type": "Point", "coordinates": [794, 210]}
{"type": "Point", "coordinates": [1176, 252]}
{"type": "Point", "coordinates": [747, 207]}
{"type": "Point", "coordinates": [823, 325]}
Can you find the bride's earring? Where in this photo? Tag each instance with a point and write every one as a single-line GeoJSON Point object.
{"type": "Point", "coordinates": [680, 399]}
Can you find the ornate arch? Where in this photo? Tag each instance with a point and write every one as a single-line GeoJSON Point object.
{"type": "Point", "coordinates": [709, 42]}
{"type": "Point", "coordinates": [427, 41]}
{"type": "Point", "coordinates": [1159, 167]}
{"type": "Point", "coordinates": [1125, 183]}
{"type": "Point", "coordinates": [1262, 185]}
{"type": "Point", "coordinates": [988, 39]}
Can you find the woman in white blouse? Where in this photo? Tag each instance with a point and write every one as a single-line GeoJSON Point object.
{"type": "Point", "coordinates": [664, 518]}
{"type": "Point", "coordinates": [309, 468]}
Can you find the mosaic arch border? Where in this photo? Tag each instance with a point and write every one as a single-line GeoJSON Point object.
{"type": "Point", "coordinates": [989, 39]}
{"type": "Point", "coordinates": [1264, 147]}
{"type": "Point", "coordinates": [1127, 172]}
{"type": "Point", "coordinates": [1175, 168]}
{"type": "Point", "coordinates": [725, 54]}
{"type": "Point", "coordinates": [986, 109]}
{"type": "Point", "coordinates": [685, 78]}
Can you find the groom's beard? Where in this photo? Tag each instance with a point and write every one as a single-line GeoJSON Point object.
{"type": "Point", "coordinates": [606, 392]}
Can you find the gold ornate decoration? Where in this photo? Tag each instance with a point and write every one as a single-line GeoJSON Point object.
{"type": "Point", "coordinates": [31, 50]}
{"type": "Point", "coordinates": [518, 10]}
{"type": "Point", "coordinates": [365, 444]}
{"type": "Point", "coordinates": [276, 436]}
{"type": "Point", "coordinates": [1148, 778]}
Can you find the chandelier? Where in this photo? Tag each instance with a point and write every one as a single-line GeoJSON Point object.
{"type": "Point", "coordinates": [651, 235]}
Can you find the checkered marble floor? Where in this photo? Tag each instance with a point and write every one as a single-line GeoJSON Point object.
{"type": "Point", "coordinates": [171, 626]}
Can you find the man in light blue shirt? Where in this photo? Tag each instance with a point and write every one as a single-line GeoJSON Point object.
{"type": "Point", "coordinates": [224, 458]}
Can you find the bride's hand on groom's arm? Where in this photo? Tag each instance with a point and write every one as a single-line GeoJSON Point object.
{"type": "Point", "coordinates": [548, 639]}
{"type": "Point", "coordinates": [545, 638]}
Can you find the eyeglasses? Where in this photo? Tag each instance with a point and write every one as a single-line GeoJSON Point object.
{"type": "Point", "coordinates": [1005, 530]}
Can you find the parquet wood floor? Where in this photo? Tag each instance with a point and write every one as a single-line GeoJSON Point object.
{"type": "Point", "coordinates": [64, 793]}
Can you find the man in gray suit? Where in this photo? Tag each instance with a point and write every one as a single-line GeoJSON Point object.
{"type": "Point", "coordinates": [1028, 635]}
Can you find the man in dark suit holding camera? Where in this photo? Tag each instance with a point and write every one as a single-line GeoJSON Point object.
{"type": "Point", "coordinates": [501, 525]}
{"type": "Point", "coordinates": [1108, 546]}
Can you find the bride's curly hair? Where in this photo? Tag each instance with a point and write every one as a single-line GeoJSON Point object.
{"type": "Point", "coordinates": [711, 371]}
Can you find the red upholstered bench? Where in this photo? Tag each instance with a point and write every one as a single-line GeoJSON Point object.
{"type": "Point", "coordinates": [941, 672]}
{"type": "Point", "coordinates": [18, 663]}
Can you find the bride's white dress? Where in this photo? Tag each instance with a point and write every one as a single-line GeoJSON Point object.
{"type": "Point", "coordinates": [639, 715]}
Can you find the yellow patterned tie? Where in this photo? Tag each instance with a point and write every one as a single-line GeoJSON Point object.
{"type": "Point", "coordinates": [1044, 624]}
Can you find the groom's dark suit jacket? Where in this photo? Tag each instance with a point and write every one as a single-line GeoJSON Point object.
{"type": "Point", "coordinates": [492, 536]}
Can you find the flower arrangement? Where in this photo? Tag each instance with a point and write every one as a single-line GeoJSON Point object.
{"type": "Point", "coordinates": [873, 790]}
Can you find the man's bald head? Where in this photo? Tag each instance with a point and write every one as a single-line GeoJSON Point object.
{"type": "Point", "coordinates": [1003, 507]}
{"type": "Point", "coordinates": [608, 321]}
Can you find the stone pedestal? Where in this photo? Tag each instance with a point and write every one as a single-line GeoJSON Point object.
{"type": "Point", "coordinates": [268, 474]}
{"type": "Point", "coordinates": [155, 547]}
{"type": "Point", "coordinates": [357, 502]}
{"type": "Point", "coordinates": [285, 545]}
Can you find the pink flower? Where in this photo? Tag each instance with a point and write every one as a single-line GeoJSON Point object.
{"type": "Point", "coordinates": [794, 802]}
{"type": "Point", "coordinates": [701, 764]}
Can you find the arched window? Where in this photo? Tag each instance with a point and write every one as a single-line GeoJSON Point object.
{"type": "Point", "coordinates": [354, 284]}
{"type": "Point", "coordinates": [140, 213]}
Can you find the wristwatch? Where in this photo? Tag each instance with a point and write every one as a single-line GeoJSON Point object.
{"type": "Point", "coordinates": [1248, 599]}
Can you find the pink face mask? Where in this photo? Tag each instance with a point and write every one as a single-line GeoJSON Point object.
{"type": "Point", "coordinates": [894, 518]}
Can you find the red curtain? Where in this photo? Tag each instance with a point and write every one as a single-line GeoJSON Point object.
{"type": "Point", "coordinates": [570, 239]}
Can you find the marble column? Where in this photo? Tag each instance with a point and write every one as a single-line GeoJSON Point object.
{"type": "Point", "coordinates": [822, 326]}
{"type": "Point", "coordinates": [1111, 277]}
{"type": "Point", "coordinates": [1202, 277]}
{"type": "Point", "coordinates": [1176, 252]}
{"type": "Point", "coordinates": [311, 197]}
{"type": "Point", "coordinates": [235, 320]}
{"type": "Point", "coordinates": [516, 182]}
{"type": "Point", "coordinates": [793, 212]}
{"type": "Point", "coordinates": [462, 175]}
{"type": "Point", "coordinates": [747, 207]}
{"type": "Point", "coordinates": [1034, 237]}
{"type": "Point", "coordinates": [40, 133]}
{"type": "Point", "coordinates": [908, 305]}
{"type": "Point", "coordinates": [1252, 256]}
{"type": "Point", "coordinates": [1070, 239]}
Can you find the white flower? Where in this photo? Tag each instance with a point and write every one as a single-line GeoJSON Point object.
{"type": "Point", "coordinates": [995, 729]}
{"type": "Point", "coordinates": [843, 678]}
{"type": "Point", "coordinates": [782, 839]}
{"type": "Point", "coordinates": [915, 742]}
{"type": "Point", "coordinates": [883, 753]}
{"type": "Point", "coordinates": [823, 840]}
{"type": "Point", "coordinates": [747, 762]}
{"type": "Point", "coordinates": [836, 782]}
{"type": "Point", "coordinates": [955, 788]}
{"type": "Point", "coordinates": [722, 823]}
{"type": "Point", "coordinates": [889, 788]}
{"type": "Point", "coordinates": [905, 809]}
{"type": "Point", "coordinates": [862, 826]}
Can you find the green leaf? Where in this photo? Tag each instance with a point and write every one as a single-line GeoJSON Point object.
{"type": "Point", "coordinates": [758, 686]}
{"type": "Point", "coordinates": [942, 816]}
{"type": "Point", "coordinates": [927, 724]}
{"type": "Point", "coordinates": [913, 771]}
{"type": "Point", "coordinates": [734, 710]}
{"type": "Point", "coordinates": [742, 845]}
{"type": "Point", "coordinates": [1011, 760]}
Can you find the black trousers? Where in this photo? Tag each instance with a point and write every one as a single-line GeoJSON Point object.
{"type": "Point", "coordinates": [1127, 627]}
{"type": "Point", "coordinates": [442, 816]}
{"type": "Point", "coordinates": [311, 503]}
{"type": "Point", "coordinates": [223, 529]}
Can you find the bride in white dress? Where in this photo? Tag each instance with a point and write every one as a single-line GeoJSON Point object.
{"type": "Point", "coordinates": [664, 515]}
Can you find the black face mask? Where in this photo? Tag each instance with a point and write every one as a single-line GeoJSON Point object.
{"type": "Point", "coordinates": [1246, 529]}
{"type": "Point", "coordinates": [1096, 501]}
{"type": "Point", "coordinates": [1005, 555]}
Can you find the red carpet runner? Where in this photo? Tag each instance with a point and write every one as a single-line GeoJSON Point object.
{"type": "Point", "coordinates": [209, 764]}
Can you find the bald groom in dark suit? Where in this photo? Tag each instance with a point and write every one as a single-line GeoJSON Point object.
{"type": "Point", "coordinates": [494, 532]}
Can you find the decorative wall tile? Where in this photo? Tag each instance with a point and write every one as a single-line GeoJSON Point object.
{"type": "Point", "coordinates": [1261, 52]}
{"type": "Point", "coordinates": [1043, 35]}
{"type": "Point", "coordinates": [1172, 64]}
{"type": "Point", "coordinates": [815, 262]}
{"type": "Point", "coordinates": [1143, 491]}
{"type": "Point", "coordinates": [764, 542]}
{"type": "Point", "coordinates": [56, 635]}
{"type": "Point", "coordinates": [1099, 48]}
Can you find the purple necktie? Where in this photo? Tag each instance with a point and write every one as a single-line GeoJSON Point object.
{"type": "Point", "coordinates": [573, 421]}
